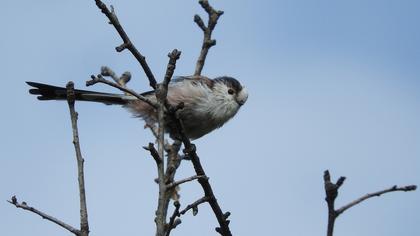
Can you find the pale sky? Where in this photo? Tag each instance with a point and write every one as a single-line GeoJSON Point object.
{"type": "Point", "coordinates": [333, 85]}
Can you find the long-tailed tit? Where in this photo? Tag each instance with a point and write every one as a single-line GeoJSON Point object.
{"type": "Point", "coordinates": [208, 103]}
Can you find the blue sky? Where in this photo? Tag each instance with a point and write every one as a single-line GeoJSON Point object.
{"type": "Point", "coordinates": [333, 85]}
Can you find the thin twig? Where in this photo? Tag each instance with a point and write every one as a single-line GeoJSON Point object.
{"type": "Point", "coordinates": [121, 80]}
{"type": "Point", "coordinates": [26, 207]}
{"type": "Point", "coordinates": [173, 57]}
{"type": "Point", "coordinates": [154, 153]}
{"type": "Point", "coordinates": [194, 205]}
{"type": "Point", "coordinates": [100, 79]}
{"type": "Point", "coordinates": [176, 183]}
{"type": "Point", "coordinates": [331, 191]}
{"type": "Point", "coordinates": [207, 30]}
{"type": "Point", "coordinates": [106, 71]}
{"type": "Point", "coordinates": [84, 225]}
{"type": "Point", "coordinates": [113, 19]}
{"type": "Point", "coordinates": [173, 222]}
{"type": "Point", "coordinates": [375, 194]}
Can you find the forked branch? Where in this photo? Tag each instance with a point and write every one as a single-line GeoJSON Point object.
{"type": "Point", "coordinates": [84, 224]}
{"type": "Point", "coordinates": [174, 221]}
{"type": "Point", "coordinates": [127, 44]}
{"type": "Point", "coordinates": [100, 79]}
{"type": "Point", "coordinates": [208, 42]}
{"type": "Point", "coordinates": [331, 191]}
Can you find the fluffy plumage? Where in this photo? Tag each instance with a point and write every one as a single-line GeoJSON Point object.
{"type": "Point", "coordinates": [208, 104]}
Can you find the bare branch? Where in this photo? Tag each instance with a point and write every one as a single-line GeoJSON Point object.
{"type": "Point", "coordinates": [194, 205]}
{"type": "Point", "coordinates": [113, 19]}
{"type": "Point", "coordinates": [151, 148]}
{"type": "Point", "coordinates": [331, 191]}
{"type": "Point", "coordinates": [84, 225]}
{"type": "Point", "coordinates": [173, 222]}
{"type": "Point", "coordinates": [200, 23]}
{"type": "Point", "coordinates": [174, 184]}
{"type": "Point", "coordinates": [173, 57]}
{"type": "Point", "coordinates": [26, 207]}
{"type": "Point", "coordinates": [173, 162]}
{"type": "Point", "coordinates": [162, 208]}
{"type": "Point", "coordinates": [207, 31]}
{"type": "Point", "coordinates": [375, 194]}
{"type": "Point", "coordinates": [106, 71]}
{"type": "Point", "coordinates": [161, 93]}
{"type": "Point", "coordinates": [190, 151]}
{"type": "Point", "coordinates": [100, 79]}
{"type": "Point", "coordinates": [121, 80]}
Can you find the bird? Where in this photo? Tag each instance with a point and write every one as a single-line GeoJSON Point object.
{"type": "Point", "coordinates": [208, 103]}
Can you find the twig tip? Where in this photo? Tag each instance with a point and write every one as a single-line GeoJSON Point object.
{"type": "Point", "coordinates": [14, 199]}
{"type": "Point", "coordinates": [411, 188]}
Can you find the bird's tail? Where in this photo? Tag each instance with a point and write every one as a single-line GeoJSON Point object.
{"type": "Point", "coordinates": [49, 92]}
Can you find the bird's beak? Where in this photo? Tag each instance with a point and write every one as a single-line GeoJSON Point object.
{"type": "Point", "coordinates": [242, 96]}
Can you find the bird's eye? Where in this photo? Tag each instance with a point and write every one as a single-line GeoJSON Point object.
{"type": "Point", "coordinates": [231, 91]}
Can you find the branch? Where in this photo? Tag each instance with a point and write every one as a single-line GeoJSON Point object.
{"type": "Point", "coordinates": [194, 205]}
{"type": "Point", "coordinates": [173, 162]}
{"type": "Point", "coordinates": [176, 183]}
{"type": "Point", "coordinates": [84, 225]}
{"type": "Point", "coordinates": [151, 148]}
{"type": "Point", "coordinates": [113, 19]}
{"type": "Point", "coordinates": [121, 80]}
{"type": "Point", "coordinates": [331, 191]}
{"type": "Point", "coordinates": [207, 30]}
{"type": "Point", "coordinates": [106, 71]}
{"type": "Point", "coordinates": [100, 79]}
{"type": "Point", "coordinates": [26, 207]}
{"type": "Point", "coordinates": [190, 150]}
{"type": "Point", "coordinates": [375, 194]}
{"type": "Point", "coordinates": [173, 222]}
{"type": "Point", "coordinates": [173, 57]}
{"type": "Point", "coordinates": [161, 93]}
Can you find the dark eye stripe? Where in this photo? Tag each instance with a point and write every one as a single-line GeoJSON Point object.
{"type": "Point", "coordinates": [231, 82]}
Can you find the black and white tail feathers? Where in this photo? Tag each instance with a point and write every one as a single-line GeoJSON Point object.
{"type": "Point", "coordinates": [49, 92]}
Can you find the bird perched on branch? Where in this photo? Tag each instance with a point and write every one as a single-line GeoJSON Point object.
{"type": "Point", "coordinates": [208, 103]}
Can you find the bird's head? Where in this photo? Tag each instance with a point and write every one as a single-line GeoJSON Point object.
{"type": "Point", "coordinates": [229, 96]}
{"type": "Point", "coordinates": [230, 89]}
